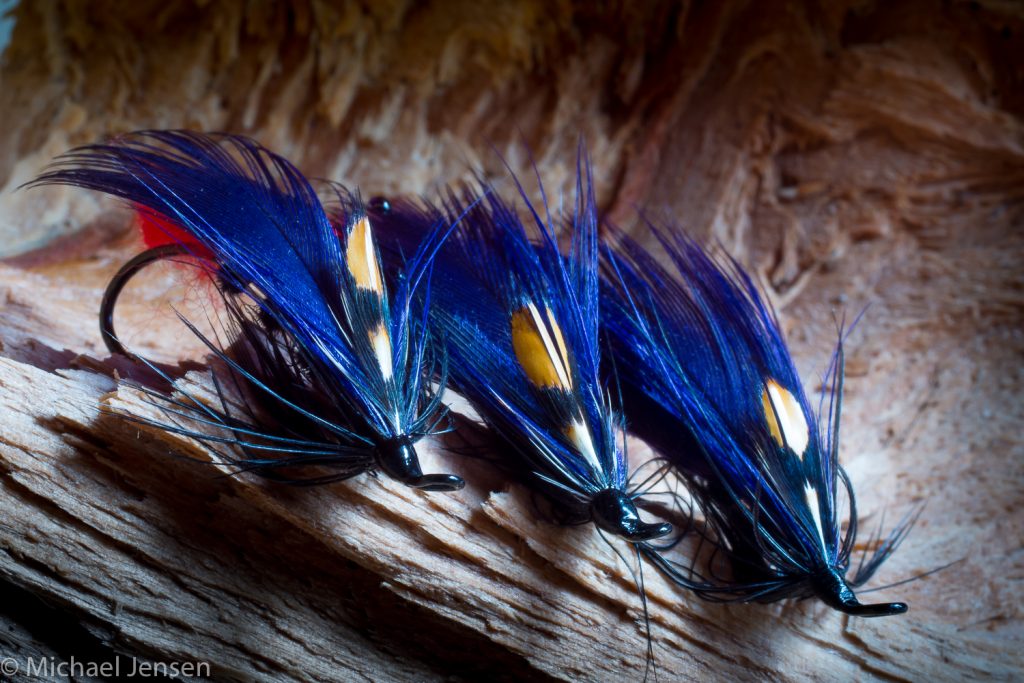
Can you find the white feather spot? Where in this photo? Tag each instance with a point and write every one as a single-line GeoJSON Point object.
{"type": "Point", "coordinates": [811, 495]}
{"type": "Point", "coordinates": [580, 437]}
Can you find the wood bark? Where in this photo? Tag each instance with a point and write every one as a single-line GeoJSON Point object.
{"type": "Point", "coordinates": [855, 155]}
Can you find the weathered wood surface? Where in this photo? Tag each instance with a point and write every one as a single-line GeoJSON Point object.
{"type": "Point", "coordinates": [850, 153]}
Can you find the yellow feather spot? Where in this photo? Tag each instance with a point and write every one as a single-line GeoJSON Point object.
{"type": "Point", "coordinates": [785, 418]}
{"type": "Point", "coordinates": [380, 340]}
{"type": "Point", "coordinates": [361, 256]}
{"type": "Point", "coordinates": [540, 348]}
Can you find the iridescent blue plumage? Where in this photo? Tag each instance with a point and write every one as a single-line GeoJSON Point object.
{"type": "Point", "coordinates": [335, 364]}
{"type": "Point", "coordinates": [520, 324]}
{"type": "Point", "coordinates": [708, 380]}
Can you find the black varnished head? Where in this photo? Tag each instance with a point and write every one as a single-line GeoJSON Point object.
{"type": "Point", "coordinates": [831, 587]}
{"type": "Point", "coordinates": [614, 512]}
{"type": "Point", "coordinates": [380, 205]}
{"type": "Point", "coordinates": [397, 459]}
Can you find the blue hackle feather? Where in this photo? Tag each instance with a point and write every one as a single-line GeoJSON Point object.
{"type": "Point", "coordinates": [504, 295]}
{"type": "Point", "coordinates": [337, 371]}
{"type": "Point", "coordinates": [708, 380]}
{"type": "Point", "coordinates": [520, 323]}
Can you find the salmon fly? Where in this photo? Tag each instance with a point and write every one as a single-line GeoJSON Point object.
{"type": "Point", "coordinates": [520, 325]}
{"type": "Point", "coordinates": [708, 380]}
{"type": "Point", "coordinates": [335, 375]}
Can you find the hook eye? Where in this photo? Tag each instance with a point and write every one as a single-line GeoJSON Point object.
{"type": "Point", "coordinates": [397, 458]}
{"type": "Point", "coordinates": [614, 511]}
{"type": "Point", "coordinates": [648, 532]}
{"type": "Point", "coordinates": [438, 482]}
{"type": "Point", "coordinates": [881, 609]}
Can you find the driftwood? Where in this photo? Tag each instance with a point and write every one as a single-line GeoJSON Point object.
{"type": "Point", "coordinates": [851, 154]}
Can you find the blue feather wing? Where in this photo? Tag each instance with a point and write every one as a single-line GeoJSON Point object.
{"type": "Point", "coordinates": [710, 382]}
{"type": "Point", "coordinates": [704, 347]}
{"type": "Point", "coordinates": [263, 224]}
{"type": "Point", "coordinates": [252, 209]}
{"type": "Point", "coordinates": [492, 266]}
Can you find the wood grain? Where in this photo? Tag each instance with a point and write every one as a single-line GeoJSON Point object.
{"type": "Point", "coordinates": [852, 154]}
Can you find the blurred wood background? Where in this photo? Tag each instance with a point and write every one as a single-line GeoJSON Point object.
{"type": "Point", "coordinates": [855, 153]}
